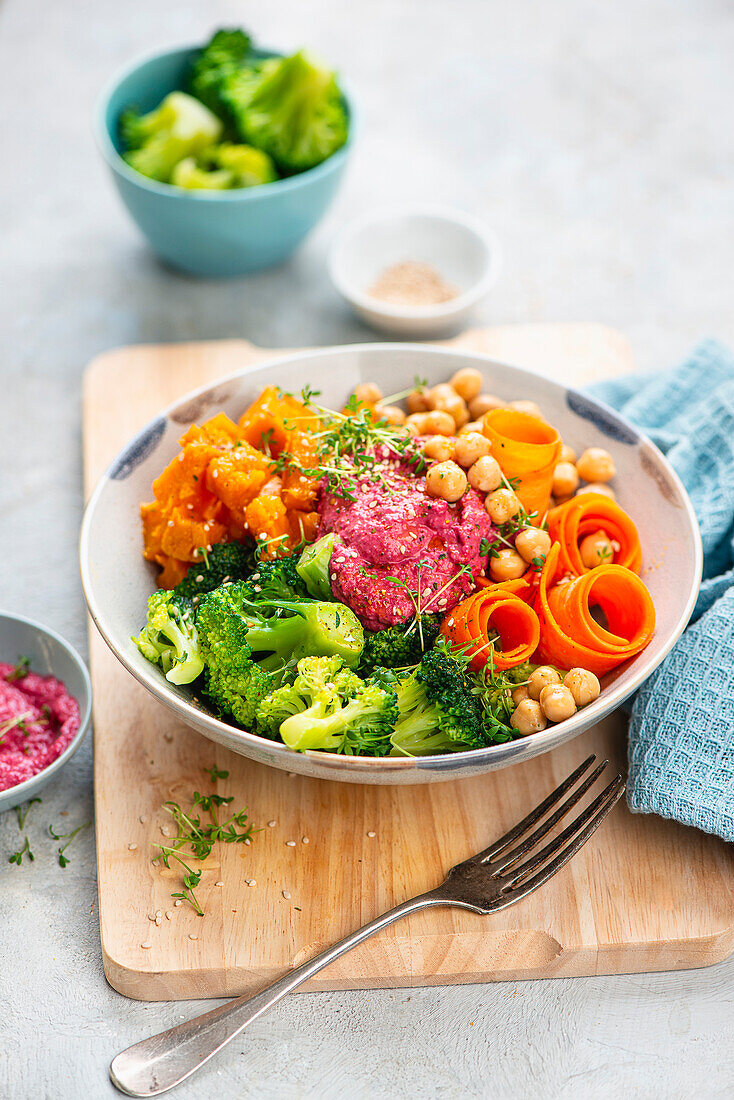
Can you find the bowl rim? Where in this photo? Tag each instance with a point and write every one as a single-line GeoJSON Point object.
{"type": "Point", "coordinates": [385, 213]}
{"type": "Point", "coordinates": [116, 163]}
{"type": "Point", "coordinates": [511, 751]}
{"type": "Point", "coordinates": [85, 715]}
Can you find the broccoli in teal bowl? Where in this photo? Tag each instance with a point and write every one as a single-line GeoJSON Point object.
{"type": "Point", "coordinates": [225, 156]}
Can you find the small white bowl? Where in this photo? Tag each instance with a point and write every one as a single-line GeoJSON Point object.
{"type": "Point", "coordinates": [465, 253]}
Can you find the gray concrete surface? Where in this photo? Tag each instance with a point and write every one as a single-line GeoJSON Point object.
{"type": "Point", "coordinates": [597, 139]}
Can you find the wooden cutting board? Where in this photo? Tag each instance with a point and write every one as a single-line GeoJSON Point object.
{"type": "Point", "coordinates": [644, 894]}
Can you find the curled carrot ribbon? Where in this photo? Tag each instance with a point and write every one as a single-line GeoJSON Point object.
{"type": "Point", "coordinates": [570, 523]}
{"type": "Point", "coordinates": [570, 636]}
{"type": "Point", "coordinates": [527, 449]}
{"type": "Point", "coordinates": [498, 609]}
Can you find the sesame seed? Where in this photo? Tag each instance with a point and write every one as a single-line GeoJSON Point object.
{"type": "Point", "coordinates": [141, 819]}
{"type": "Point", "coordinates": [199, 579]}
{"type": "Point", "coordinates": [169, 914]}
{"type": "Point", "coordinates": [178, 902]}
{"type": "Point", "coordinates": [305, 840]}
{"type": "Point", "coordinates": [272, 824]}
{"type": "Point", "coordinates": [170, 523]}
{"type": "Point", "coordinates": [286, 895]}
{"type": "Point", "coordinates": [151, 916]}
{"type": "Point", "coordinates": [131, 847]}
{"type": "Point", "coordinates": [158, 921]}
{"type": "Point", "coordinates": [146, 945]}
{"type": "Point", "coordinates": [290, 843]}
{"type": "Point", "coordinates": [158, 912]}
{"type": "Point", "coordinates": [371, 833]}
{"type": "Point", "coordinates": [248, 841]}
{"type": "Point", "coordinates": [252, 882]}
{"type": "Point", "coordinates": [193, 936]}
{"type": "Point", "coordinates": [164, 830]}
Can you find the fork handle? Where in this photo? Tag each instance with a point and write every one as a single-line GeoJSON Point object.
{"type": "Point", "coordinates": [157, 1064]}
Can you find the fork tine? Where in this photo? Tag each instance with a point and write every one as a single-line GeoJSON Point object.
{"type": "Point", "coordinates": [534, 815]}
{"type": "Point", "coordinates": [517, 853]}
{"type": "Point", "coordinates": [590, 819]}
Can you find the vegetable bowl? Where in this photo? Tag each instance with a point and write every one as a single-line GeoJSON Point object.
{"type": "Point", "coordinates": [118, 581]}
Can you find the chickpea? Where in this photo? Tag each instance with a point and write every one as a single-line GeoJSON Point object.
{"type": "Point", "coordinates": [467, 383]}
{"type": "Point", "coordinates": [565, 480]}
{"type": "Point", "coordinates": [528, 407]}
{"type": "Point", "coordinates": [540, 678]}
{"type": "Point", "coordinates": [470, 447]}
{"type": "Point", "coordinates": [502, 505]}
{"type": "Point", "coordinates": [391, 413]}
{"type": "Point", "coordinates": [507, 566]}
{"type": "Point", "coordinates": [439, 447]}
{"type": "Point", "coordinates": [416, 423]}
{"type": "Point", "coordinates": [446, 399]}
{"type": "Point", "coordinates": [484, 403]}
{"type": "Point", "coordinates": [471, 426]}
{"type": "Point", "coordinates": [597, 487]}
{"type": "Point", "coordinates": [417, 401]}
{"type": "Point", "coordinates": [532, 542]}
{"type": "Point", "coordinates": [520, 693]}
{"type": "Point", "coordinates": [447, 481]}
{"type": "Point", "coordinates": [485, 474]}
{"type": "Point", "coordinates": [583, 685]}
{"type": "Point", "coordinates": [368, 392]}
{"type": "Point", "coordinates": [596, 464]}
{"type": "Point", "coordinates": [528, 717]}
{"type": "Point", "coordinates": [596, 550]}
{"type": "Point", "coordinates": [567, 454]}
{"type": "Point", "coordinates": [438, 422]}
{"type": "Point", "coordinates": [557, 703]}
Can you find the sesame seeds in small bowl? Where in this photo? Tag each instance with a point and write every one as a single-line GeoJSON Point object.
{"type": "Point", "coordinates": [415, 271]}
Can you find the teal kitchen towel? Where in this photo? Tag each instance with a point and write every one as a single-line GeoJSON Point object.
{"type": "Point", "coordinates": [681, 740]}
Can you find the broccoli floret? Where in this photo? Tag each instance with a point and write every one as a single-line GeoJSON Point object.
{"type": "Point", "coordinates": [170, 637]}
{"type": "Point", "coordinates": [248, 166]}
{"type": "Point", "coordinates": [191, 176]}
{"type": "Point", "coordinates": [277, 579]}
{"type": "Point", "coordinates": [226, 561]}
{"type": "Point", "coordinates": [330, 709]}
{"type": "Point", "coordinates": [304, 628]}
{"type": "Point", "coordinates": [180, 127]}
{"type": "Point", "coordinates": [394, 648]}
{"type": "Point", "coordinates": [222, 56]}
{"type": "Point", "coordinates": [233, 680]}
{"type": "Point", "coordinates": [289, 107]}
{"type": "Point", "coordinates": [313, 567]}
{"type": "Point", "coordinates": [438, 712]}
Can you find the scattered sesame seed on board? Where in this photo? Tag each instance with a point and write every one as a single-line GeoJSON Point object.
{"type": "Point", "coordinates": [290, 843]}
{"type": "Point", "coordinates": [286, 895]}
{"type": "Point", "coordinates": [251, 882]}
{"type": "Point", "coordinates": [158, 920]}
{"type": "Point", "coordinates": [178, 902]}
{"type": "Point", "coordinates": [219, 883]}
{"type": "Point", "coordinates": [146, 945]}
{"type": "Point", "coordinates": [305, 840]}
{"type": "Point", "coordinates": [193, 936]}
{"type": "Point", "coordinates": [131, 847]}
{"type": "Point", "coordinates": [141, 819]}
{"type": "Point", "coordinates": [169, 914]}
{"type": "Point", "coordinates": [272, 824]}
{"type": "Point", "coordinates": [371, 833]}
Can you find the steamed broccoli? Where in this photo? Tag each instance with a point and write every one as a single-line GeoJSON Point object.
{"type": "Point", "coordinates": [329, 708]}
{"type": "Point", "coordinates": [313, 567]}
{"type": "Point", "coordinates": [233, 680]}
{"type": "Point", "coordinates": [170, 639]}
{"type": "Point", "coordinates": [289, 107]}
{"type": "Point", "coordinates": [438, 712]}
{"type": "Point", "coordinates": [393, 648]}
{"type": "Point", "coordinates": [248, 166]}
{"type": "Point", "coordinates": [222, 56]}
{"type": "Point", "coordinates": [226, 561]}
{"type": "Point", "coordinates": [249, 644]}
{"type": "Point", "coordinates": [180, 127]}
{"type": "Point", "coordinates": [193, 176]}
{"type": "Point", "coordinates": [276, 579]}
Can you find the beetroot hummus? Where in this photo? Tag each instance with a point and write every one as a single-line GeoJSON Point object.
{"type": "Point", "coordinates": [397, 540]}
{"type": "Point", "coordinates": [38, 719]}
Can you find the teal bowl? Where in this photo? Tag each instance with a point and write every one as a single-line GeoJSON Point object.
{"type": "Point", "coordinates": [202, 232]}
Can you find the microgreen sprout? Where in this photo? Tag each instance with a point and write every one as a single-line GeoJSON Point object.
{"type": "Point", "coordinates": [68, 837]}
{"type": "Point", "coordinates": [17, 857]}
{"type": "Point", "coordinates": [20, 671]}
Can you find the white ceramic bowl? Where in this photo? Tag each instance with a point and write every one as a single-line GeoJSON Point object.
{"type": "Point", "coordinates": [464, 252]}
{"type": "Point", "coordinates": [49, 655]}
{"type": "Point", "coordinates": [117, 581]}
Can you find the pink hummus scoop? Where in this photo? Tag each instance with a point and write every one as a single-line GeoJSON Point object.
{"type": "Point", "coordinates": [38, 719]}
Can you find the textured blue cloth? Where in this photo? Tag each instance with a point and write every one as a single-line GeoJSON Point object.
{"type": "Point", "coordinates": [681, 740]}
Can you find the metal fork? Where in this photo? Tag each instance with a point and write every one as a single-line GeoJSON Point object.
{"type": "Point", "coordinates": [484, 883]}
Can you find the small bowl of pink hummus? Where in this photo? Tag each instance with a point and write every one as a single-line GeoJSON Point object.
{"type": "Point", "coordinates": [45, 707]}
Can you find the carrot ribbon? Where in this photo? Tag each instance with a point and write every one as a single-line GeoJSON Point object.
{"type": "Point", "coordinates": [570, 636]}
{"type": "Point", "coordinates": [570, 523]}
{"type": "Point", "coordinates": [527, 449]}
{"type": "Point", "coordinates": [498, 609]}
